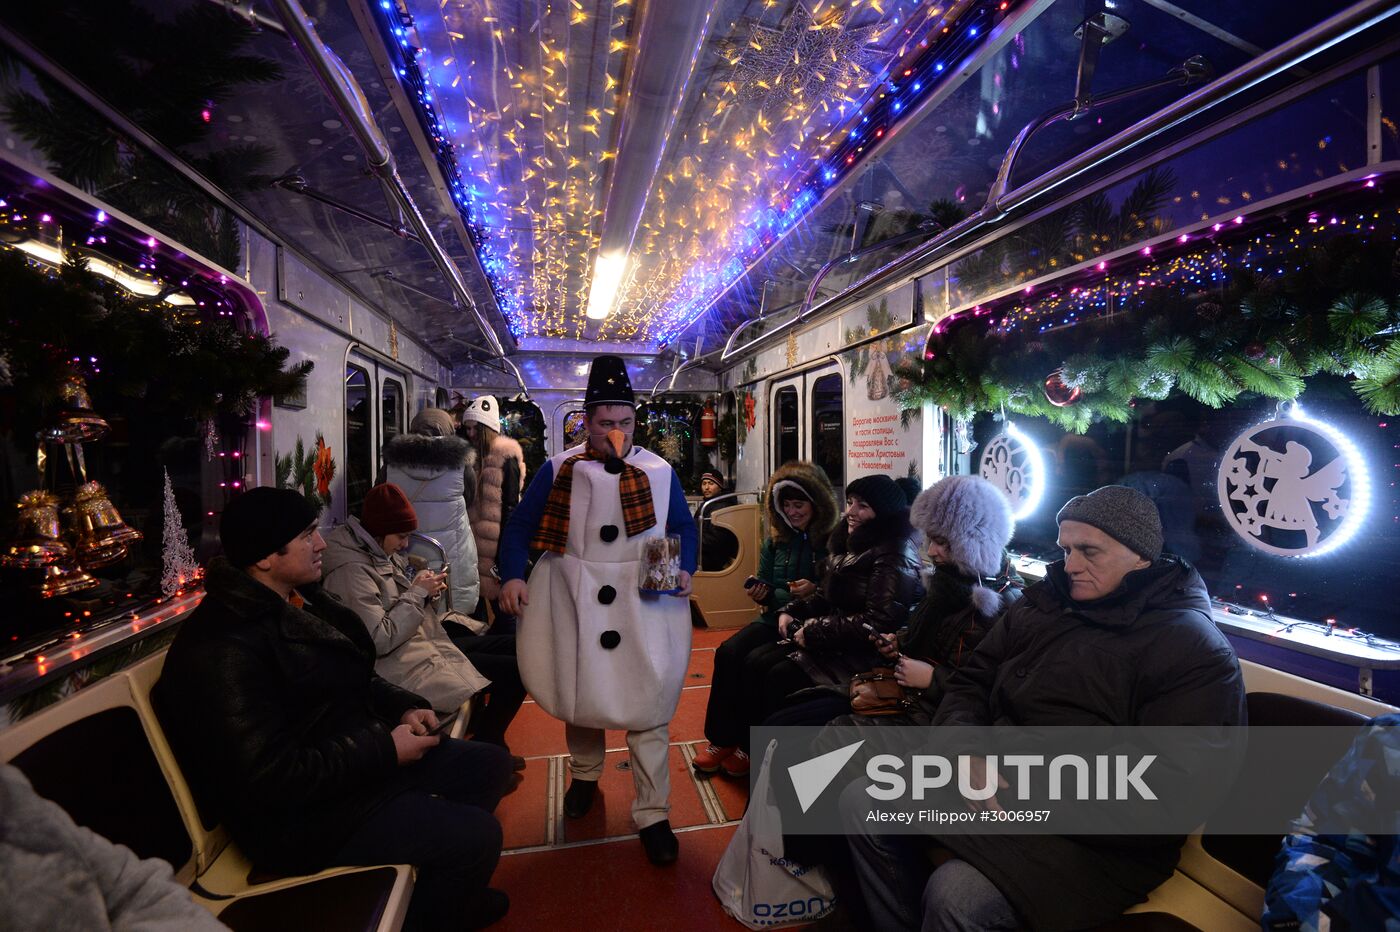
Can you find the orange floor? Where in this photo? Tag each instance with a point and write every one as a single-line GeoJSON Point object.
{"type": "Point", "coordinates": [591, 873]}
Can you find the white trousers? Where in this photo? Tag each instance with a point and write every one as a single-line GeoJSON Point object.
{"type": "Point", "coordinates": [651, 766]}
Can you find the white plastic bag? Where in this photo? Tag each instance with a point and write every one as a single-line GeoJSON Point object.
{"type": "Point", "coordinates": [754, 882]}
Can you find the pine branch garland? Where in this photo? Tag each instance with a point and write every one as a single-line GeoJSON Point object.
{"type": "Point", "coordinates": [1337, 312]}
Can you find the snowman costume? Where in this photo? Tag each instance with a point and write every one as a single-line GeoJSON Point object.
{"type": "Point", "coordinates": [594, 651]}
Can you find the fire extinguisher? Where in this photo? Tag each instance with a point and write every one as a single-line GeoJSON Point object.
{"type": "Point", "coordinates": [708, 438]}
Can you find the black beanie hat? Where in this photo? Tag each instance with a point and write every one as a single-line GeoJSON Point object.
{"type": "Point", "coordinates": [881, 493]}
{"type": "Point", "coordinates": [262, 521]}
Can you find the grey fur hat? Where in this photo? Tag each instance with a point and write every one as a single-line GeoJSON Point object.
{"type": "Point", "coordinates": [972, 515]}
{"type": "Point", "coordinates": [1124, 514]}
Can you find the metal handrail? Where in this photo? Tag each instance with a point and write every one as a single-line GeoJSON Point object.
{"type": "Point", "coordinates": [1192, 70]}
{"type": "Point", "coordinates": [704, 509]}
{"type": "Point", "coordinates": [924, 229]}
{"type": "Point", "coordinates": [349, 100]}
{"type": "Point", "coordinates": [442, 556]}
{"type": "Point", "coordinates": [1344, 25]}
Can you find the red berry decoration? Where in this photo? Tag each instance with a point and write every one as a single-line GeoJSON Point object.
{"type": "Point", "coordinates": [1057, 392]}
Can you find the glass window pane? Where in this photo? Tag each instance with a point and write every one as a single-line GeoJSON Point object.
{"type": "Point", "coordinates": [785, 440]}
{"type": "Point", "coordinates": [359, 441]}
{"type": "Point", "coordinates": [391, 409]}
{"type": "Point", "coordinates": [828, 429]}
{"type": "Point", "coordinates": [1171, 451]}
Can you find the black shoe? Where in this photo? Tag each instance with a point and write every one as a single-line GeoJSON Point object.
{"type": "Point", "coordinates": [579, 798]}
{"type": "Point", "coordinates": [517, 763]}
{"type": "Point", "coordinates": [660, 843]}
{"type": "Point", "coordinates": [491, 907]}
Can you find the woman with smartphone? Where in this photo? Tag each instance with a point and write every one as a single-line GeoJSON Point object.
{"type": "Point", "coordinates": [364, 567]}
{"type": "Point", "coordinates": [801, 511]}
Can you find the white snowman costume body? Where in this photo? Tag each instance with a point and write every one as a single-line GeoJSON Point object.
{"type": "Point", "coordinates": [593, 651]}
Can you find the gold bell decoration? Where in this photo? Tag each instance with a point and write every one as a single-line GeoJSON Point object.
{"type": "Point", "coordinates": [39, 542]}
{"type": "Point", "coordinates": [102, 536]}
{"type": "Point", "coordinates": [76, 421]}
{"type": "Point", "coordinates": [64, 578]}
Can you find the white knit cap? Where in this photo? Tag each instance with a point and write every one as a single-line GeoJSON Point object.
{"type": "Point", "coordinates": [484, 411]}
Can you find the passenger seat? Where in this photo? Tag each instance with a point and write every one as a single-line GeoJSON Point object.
{"type": "Point", "coordinates": [100, 754]}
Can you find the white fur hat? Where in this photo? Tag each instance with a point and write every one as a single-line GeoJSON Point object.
{"type": "Point", "coordinates": [484, 411]}
{"type": "Point", "coordinates": [972, 515]}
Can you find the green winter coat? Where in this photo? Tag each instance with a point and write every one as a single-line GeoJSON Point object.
{"type": "Point", "coordinates": [787, 554]}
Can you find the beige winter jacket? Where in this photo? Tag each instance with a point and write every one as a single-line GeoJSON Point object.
{"type": "Point", "coordinates": [415, 652]}
{"type": "Point", "coordinates": [485, 512]}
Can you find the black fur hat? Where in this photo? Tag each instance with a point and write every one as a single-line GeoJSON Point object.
{"type": "Point", "coordinates": [608, 383]}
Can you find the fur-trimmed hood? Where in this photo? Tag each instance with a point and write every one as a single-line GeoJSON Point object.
{"type": "Point", "coordinates": [415, 451]}
{"type": "Point", "coordinates": [973, 516]}
{"type": "Point", "coordinates": [814, 482]}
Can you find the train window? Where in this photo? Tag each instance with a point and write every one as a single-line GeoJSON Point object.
{"type": "Point", "coordinates": [828, 428]}
{"type": "Point", "coordinates": [786, 422]}
{"type": "Point", "coordinates": [575, 428]}
{"type": "Point", "coordinates": [391, 410]}
{"type": "Point", "coordinates": [359, 438]}
{"type": "Point", "coordinates": [668, 429]}
{"type": "Point", "coordinates": [727, 429]}
{"type": "Point", "coordinates": [523, 422]}
{"type": "Point", "coordinates": [1171, 450]}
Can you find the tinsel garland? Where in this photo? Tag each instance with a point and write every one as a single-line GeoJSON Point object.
{"type": "Point", "coordinates": [1336, 312]}
{"type": "Point", "coordinates": [173, 359]}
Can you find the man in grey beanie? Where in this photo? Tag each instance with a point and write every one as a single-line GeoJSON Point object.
{"type": "Point", "coordinates": [1106, 535]}
{"type": "Point", "coordinates": [1117, 633]}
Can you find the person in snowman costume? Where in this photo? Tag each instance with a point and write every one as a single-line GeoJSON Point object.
{"type": "Point", "coordinates": [595, 651]}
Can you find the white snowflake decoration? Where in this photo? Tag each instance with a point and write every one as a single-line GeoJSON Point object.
{"type": "Point", "coordinates": [669, 447]}
{"type": "Point", "coordinates": [1293, 487]}
{"type": "Point", "coordinates": [1012, 462]}
{"type": "Point", "coordinates": [181, 568]}
{"type": "Point", "coordinates": [805, 59]}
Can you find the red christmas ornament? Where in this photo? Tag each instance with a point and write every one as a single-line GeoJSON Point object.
{"type": "Point", "coordinates": [1254, 350]}
{"type": "Point", "coordinates": [1057, 392]}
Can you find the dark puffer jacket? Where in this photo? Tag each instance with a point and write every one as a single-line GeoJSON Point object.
{"type": "Point", "coordinates": [788, 554]}
{"type": "Point", "coordinates": [277, 716]}
{"type": "Point", "coordinates": [1148, 654]}
{"type": "Point", "coordinates": [871, 578]}
{"type": "Point", "coordinates": [950, 622]}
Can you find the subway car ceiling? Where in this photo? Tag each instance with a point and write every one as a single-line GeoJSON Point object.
{"type": "Point", "coordinates": [640, 177]}
{"type": "Point", "coordinates": [770, 206]}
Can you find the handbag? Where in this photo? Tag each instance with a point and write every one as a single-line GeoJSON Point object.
{"type": "Point", "coordinates": [878, 693]}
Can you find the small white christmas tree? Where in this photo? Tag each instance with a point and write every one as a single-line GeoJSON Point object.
{"type": "Point", "coordinates": [180, 565]}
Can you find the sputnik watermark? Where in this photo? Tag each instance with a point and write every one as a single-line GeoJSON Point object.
{"type": "Point", "coordinates": [1117, 776]}
{"type": "Point", "coordinates": [1070, 780]}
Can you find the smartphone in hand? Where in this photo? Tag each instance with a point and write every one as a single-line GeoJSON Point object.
{"type": "Point", "coordinates": [443, 724]}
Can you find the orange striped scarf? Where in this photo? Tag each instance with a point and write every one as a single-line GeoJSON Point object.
{"type": "Point", "coordinates": [635, 489]}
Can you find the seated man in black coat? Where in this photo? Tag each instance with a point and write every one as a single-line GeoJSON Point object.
{"type": "Point", "coordinates": [1117, 633]}
{"type": "Point", "coordinates": [274, 710]}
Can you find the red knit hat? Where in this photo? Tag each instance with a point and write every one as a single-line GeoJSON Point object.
{"type": "Point", "coordinates": [388, 511]}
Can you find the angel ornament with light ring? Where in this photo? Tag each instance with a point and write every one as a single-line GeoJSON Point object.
{"type": "Point", "coordinates": [1280, 489]}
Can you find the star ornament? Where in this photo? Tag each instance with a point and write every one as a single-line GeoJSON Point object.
{"type": "Point", "coordinates": [805, 59]}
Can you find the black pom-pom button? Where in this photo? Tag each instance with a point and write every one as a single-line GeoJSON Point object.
{"type": "Point", "coordinates": [607, 594]}
{"type": "Point", "coordinates": [613, 467]}
{"type": "Point", "coordinates": [608, 532]}
{"type": "Point", "coordinates": [610, 639]}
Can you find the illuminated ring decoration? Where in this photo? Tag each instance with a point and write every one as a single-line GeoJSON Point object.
{"type": "Point", "coordinates": [1262, 488]}
{"type": "Point", "coordinates": [1013, 463]}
